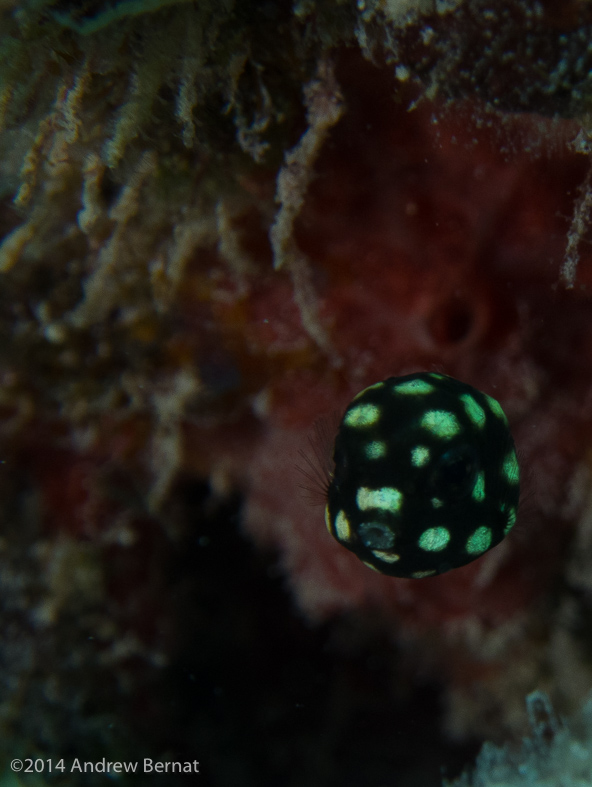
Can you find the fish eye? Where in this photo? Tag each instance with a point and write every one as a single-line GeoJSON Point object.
{"type": "Point", "coordinates": [453, 476]}
{"type": "Point", "coordinates": [376, 535]}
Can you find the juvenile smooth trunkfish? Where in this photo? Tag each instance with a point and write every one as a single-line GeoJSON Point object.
{"type": "Point", "coordinates": [426, 476]}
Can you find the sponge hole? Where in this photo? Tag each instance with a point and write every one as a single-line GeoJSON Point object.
{"type": "Point", "coordinates": [452, 322]}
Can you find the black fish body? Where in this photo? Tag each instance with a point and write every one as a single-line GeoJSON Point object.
{"type": "Point", "coordinates": [426, 477]}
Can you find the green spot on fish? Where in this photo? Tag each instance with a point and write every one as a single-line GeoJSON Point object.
{"type": "Point", "coordinates": [441, 423]}
{"type": "Point", "coordinates": [479, 541]}
{"type": "Point", "coordinates": [420, 454]}
{"type": "Point", "coordinates": [434, 539]}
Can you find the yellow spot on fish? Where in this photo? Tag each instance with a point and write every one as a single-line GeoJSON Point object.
{"type": "Point", "coordinates": [387, 498]}
{"type": "Point", "coordinates": [362, 415]}
{"type": "Point", "coordinates": [387, 557]}
{"type": "Point", "coordinates": [342, 527]}
{"type": "Point", "coordinates": [328, 520]}
{"type": "Point", "coordinates": [374, 387]}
